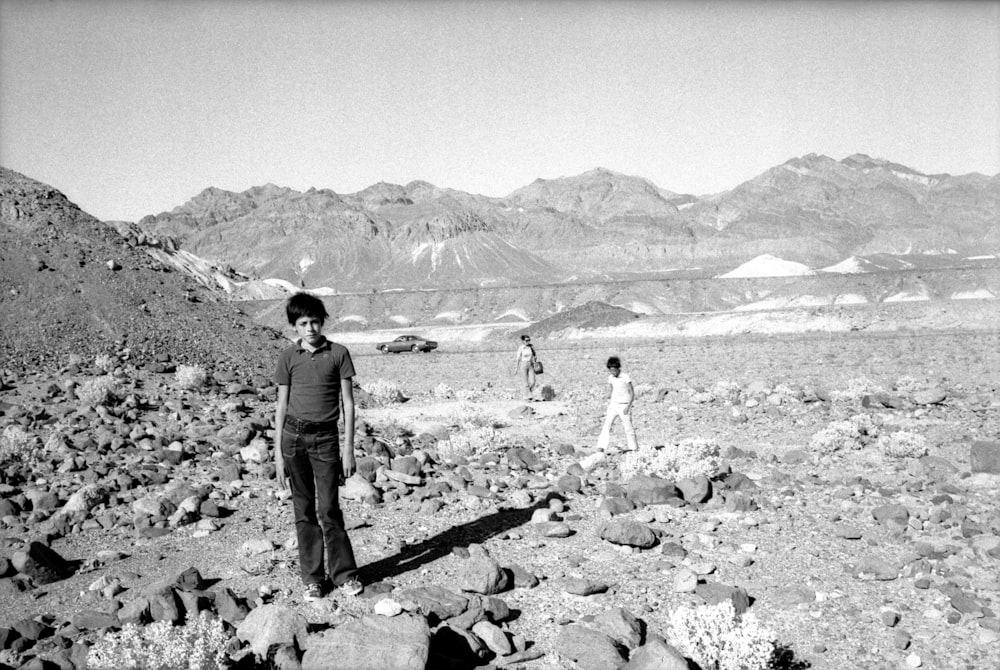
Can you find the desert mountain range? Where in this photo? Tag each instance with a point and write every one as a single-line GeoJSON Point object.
{"type": "Point", "coordinates": [597, 226]}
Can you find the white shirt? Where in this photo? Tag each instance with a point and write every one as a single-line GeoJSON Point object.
{"type": "Point", "coordinates": [619, 387]}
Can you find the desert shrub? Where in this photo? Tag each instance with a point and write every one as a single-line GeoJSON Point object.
{"type": "Point", "coordinates": [716, 638]}
{"type": "Point", "coordinates": [384, 392]}
{"type": "Point", "coordinates": [848, 435]}
{"type": "Point", "coordinates": [443, 392]}
{"type": "Point", "coordinates": [104, 362]}
{"type": "Point", "coordinates": [466, 414]}
{"type": "Point", "coordinates": [856, 388]}
{"type": "Point", "coordinates": [197, 645]}
{"type": "Point", "coordinates": [547, 392]}
{"type": "Point", "coordinates": [643, 389]}
{"type": "Point", "coordinates": [902, 444]}
{"type": "Point", "coordinates": [17, 444]}
{"type": "Point", "coordinates": [726, 391]}
{"type": "Point", "coordinates": [472, 440]}
{"type": "Point", "coordinates": [466, 394]}
{"type": "Point", "coordinates": [191, 377]}
{"type": "Point", "coordinates": [103, 390]}
{"type": "Point", "coordinates": [687, 459]}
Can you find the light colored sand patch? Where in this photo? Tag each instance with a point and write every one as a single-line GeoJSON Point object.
{"type": "Point", "coordinates": [978, 294]}
{"type": "Point", "coordinates": [767, 265]}
{"type": "Point", "coordinates": [517, 313]}
{"type": "Point", "coordinates": [769, 303]}
{"type": "Point", "coordinates": [449, 316]}
{"type": "Point", "coordinates": [353, 317]}
{"type": "Point", "coordinates": [905, 296]}
{"type": "Point", "coordinates": [852, 265]}
{"type": "Point", "coordinates": [980, 258]}
{"type": "Point", "coordinates": [850, 299]}
{"type": "Point", "coordinates": [401, 320]}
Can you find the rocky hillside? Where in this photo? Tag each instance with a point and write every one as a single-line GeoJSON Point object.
{"type": "Point", "coordinates": [72, 285]}
{"type": "Point", "coordinates": [595, 226]}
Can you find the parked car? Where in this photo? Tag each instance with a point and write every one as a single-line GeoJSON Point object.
{"type": "Point", "coordinates": [413, 343]}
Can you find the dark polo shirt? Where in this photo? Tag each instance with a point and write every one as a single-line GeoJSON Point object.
{"type": "Point", "coordinates": [313, 379]}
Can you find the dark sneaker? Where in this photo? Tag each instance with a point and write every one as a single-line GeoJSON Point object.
{"type": "Point", "coordinates": [351, 587]}
{"type": "Point", "coordinates": [313, 592]}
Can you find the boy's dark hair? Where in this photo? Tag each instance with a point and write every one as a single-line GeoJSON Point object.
{"type": "Point", "coordinates": [305, 304]}
{"type": "Point", "coordinates": [614, 362]}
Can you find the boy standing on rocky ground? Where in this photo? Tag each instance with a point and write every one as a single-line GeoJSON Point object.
{"type": "Point", "coordinates": [314, 377]}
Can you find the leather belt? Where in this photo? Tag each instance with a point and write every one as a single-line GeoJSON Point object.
{"type": "Point", "coordinates": [303, 426]}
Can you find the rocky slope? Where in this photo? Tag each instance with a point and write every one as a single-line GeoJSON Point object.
{"type": "Point", "coordinates": [597, 225]}
{"type": "Point", "coordinates": [72, 285]}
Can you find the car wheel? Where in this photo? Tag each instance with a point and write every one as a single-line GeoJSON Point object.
{"type": "Point", "coordinates": [385, 348]}
{"type": "Point", "coordinates": [415, 349]}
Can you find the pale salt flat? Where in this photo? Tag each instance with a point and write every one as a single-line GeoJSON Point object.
{"type": "Point", "coordinates": [978, 294]}
{"type": "Point", "coordinates": [906, 296]}
{"type": "Point", "coordinates": [850, 299]}
{"type": "Point", "coordinates": [767, 265]}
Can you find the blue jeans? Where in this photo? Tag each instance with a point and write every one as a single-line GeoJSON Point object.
{"type": "Point", "coordinates": [312, 463]}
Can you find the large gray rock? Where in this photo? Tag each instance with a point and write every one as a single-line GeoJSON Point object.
{"type": "Point", "coordinates": [589, 648]}
{"type": "Point", "coordinates": [370, 643]}
{"type": "Point", "coordinates": [269, 625]}
{"type": "Point", "coordinates": [619, 624]}
{"type": "Point", "coordinates": [656, 654]}
{"type": "Point", "coordinates": [650, 490]}
{"type": "Point", "coordinates": [985, 457]}
{"type": "Point", "coordinates": [695, 490]}
{"type": "Point", "coordinates": [480, 573]}
{"type": "Point", "coordinates": [714, 593]}
{"type": "Point", "coordinates": [42, 563]}
{"type": "Point", "coordinates": [434, 601]}
{"type": "Point", "coordinates": [84, 499]}
{"type": "Point", "coordinates": [628, 533]}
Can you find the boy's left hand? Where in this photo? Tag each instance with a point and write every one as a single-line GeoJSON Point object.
{"type": "Point", "coordinates": [348, 464]}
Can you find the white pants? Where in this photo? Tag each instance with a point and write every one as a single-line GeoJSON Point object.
{"type": "Point", "coordinates": [617, 410]}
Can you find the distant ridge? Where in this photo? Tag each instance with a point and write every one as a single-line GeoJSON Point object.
{"type": "Point", "coordinates": [598, 225]}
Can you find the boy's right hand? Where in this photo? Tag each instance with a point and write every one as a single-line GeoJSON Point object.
{"type": "Point", "coordinates": [279, 470]}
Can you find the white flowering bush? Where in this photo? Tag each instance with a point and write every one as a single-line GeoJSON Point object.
{"type": "Point", "coordinates": [103, 390]}
{"type": "Point", "coordinates": [848, 435]}
{"type": "Point", "coordinates": [389, 429]}
{"type": "Point", "coordinates": [384, 392]}
{"type": "Point", "coordinates": [197, 645]}
{"type": "Point", "coordinates": [472, 440]}
{"type": "Point", "coordinates": [717, 639]}
{"type": "Point", "coordinates": [17, 444]}
{"type": "Point", "coordinates": [443, 392]}
{"type": "Point", "coordinates": [191, 377]}
{"type": "Point", "coordinates": [688, 459]}
{"type": "Point", "coordinates": [902, 444]}
{"type": "Point", "coordinates": [104, 362]}
{"type": "Point", "coordinates": [644, 389]}
{"type": "Point", "coordinates": [856, 388]}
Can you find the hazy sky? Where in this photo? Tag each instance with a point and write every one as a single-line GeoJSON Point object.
{"type": "Point", "coordinates": [132, 108]}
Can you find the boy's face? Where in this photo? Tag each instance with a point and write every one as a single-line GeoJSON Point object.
{"type": "Point", "coordinates": [614, 370]}
{"type": "Point", "coordinates": [310, 329]}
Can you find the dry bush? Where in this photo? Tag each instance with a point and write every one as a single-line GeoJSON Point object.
{"type": "Point", "coordinates": [716, 638]}
{"type": "Point", "coordinates": [856, 388]}
{"type": "Point", "coordinates": [848, 435]}
{"type": "Point", "coordinates": [688, 459]}
{"type": "Point", "coordinates": [191, 377]}
{"type": "Point", "coordinates": [98, 391]}
{"type": "Point", "coordinates": [200, 644]}
{"type": "Point", "coordinates": [444, 392]}
{"type": "Point", "coordinates": [902, 444]}
{"type": "Point", "coordinates": [105, 362]}
{"type": "Point", "coordinates": [17, 444]}
{"type": "Point", "coordinates": [384, 392]}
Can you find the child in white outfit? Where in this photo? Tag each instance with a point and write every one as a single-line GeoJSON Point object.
{"type": "Point", "coordinates": [620, 405]}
